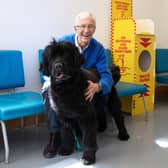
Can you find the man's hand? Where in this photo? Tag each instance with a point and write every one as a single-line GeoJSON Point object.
{"type": "Point", "coordinates": [91, 90]}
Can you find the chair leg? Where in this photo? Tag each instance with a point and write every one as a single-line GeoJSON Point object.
{"type": "Point", "coordinates": [22, 122]}
{"type": "Point", "coordinates": [145, 107]}
{"type": "Point", "coordinates": [36, 120]}
{"type": "Point", "coordinates": [6, 144]}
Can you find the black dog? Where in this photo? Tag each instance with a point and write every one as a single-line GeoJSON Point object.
{"type": "Point", "coordinates": [62, 62]}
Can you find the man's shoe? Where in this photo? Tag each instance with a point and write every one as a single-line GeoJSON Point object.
{"type": "Point", "coordinates": [52, 147]}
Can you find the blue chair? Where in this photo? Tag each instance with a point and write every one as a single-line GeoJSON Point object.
{"type": "Point", "coordinates": [125, 89]}
{"type": "Point", "coordinates": [15, 104]}
{"type": "Point", "coordinates": [40, 52]}
{"type": "Point", "coordinates": [161, 66]}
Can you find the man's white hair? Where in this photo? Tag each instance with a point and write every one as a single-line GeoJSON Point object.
{"type": "Point", "coordinates": [84, 15]}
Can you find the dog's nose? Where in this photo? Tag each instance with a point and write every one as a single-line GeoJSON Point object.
{"type": "Point", "coordinates": [58, 67]}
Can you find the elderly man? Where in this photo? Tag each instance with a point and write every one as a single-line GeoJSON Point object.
{"type": "Point", "coordinates": [93, 51]}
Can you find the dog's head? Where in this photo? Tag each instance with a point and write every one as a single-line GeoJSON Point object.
{"type": "Point", "coordinates": [61, 60]}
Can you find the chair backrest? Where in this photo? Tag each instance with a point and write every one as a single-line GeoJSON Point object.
{"type": "Point", "coordinates": [40, 53]}
{"type": "Point", "coordinates": [108, 57]}
{"type": "Point", "coordinates": [161, 60]}
{"type": "Point", "coordinates": [12, 72]}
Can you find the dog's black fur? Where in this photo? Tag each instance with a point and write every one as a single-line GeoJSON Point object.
{"type": "Point", "coordinates": [62, 62]}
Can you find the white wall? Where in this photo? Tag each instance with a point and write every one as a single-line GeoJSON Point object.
{"type": "Point", "coordinates": [28, 25]}
{"type": "Point", "coordinates": [158, 12]}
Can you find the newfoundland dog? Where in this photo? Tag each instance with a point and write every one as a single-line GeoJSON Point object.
{"type": "Point", "coordinates": [62, 61]}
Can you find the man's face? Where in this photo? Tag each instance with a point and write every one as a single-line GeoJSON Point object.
{"type": "Point", "coordinates": [85, 29]}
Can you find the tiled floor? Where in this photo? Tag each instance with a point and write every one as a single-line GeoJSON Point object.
{"type": "Point", "coordinates": [141, 151]}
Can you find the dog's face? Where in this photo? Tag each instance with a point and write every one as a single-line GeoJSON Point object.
{"type": "Point", "coordinates": [61, 60]}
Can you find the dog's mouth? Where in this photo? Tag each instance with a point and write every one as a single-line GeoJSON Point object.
{"type": "Point", "coordinates": [59, 73]}
{"type": "Point", "coordinates": [60, 77]}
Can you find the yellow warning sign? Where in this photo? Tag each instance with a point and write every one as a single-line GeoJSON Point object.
{"type": "Point", "coordinates": [123, 47]}
{"type": "Point", "coordinates": [121, 8]}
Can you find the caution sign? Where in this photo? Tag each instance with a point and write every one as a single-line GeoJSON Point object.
{"type": "Point", "coordinates": [145, 70]}
{"type": "Point", "coordinates": [123, 47]}
{"type": "Point", "coordinates": [121, 8]}
{"type": "Point", "coordinates": [144, 73]}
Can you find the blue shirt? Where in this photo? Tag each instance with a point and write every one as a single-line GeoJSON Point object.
{"type": "Point", "coordinates": [95, 58]}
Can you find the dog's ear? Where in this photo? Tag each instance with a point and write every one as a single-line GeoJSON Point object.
{"type": "Point", "coordinates": [44, 65]}
{"type": "Point", "coordinates": [46, 56]}
{"type": "Point", "coordinates": [79, 58]}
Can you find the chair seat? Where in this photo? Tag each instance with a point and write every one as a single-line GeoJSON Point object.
{"type": "Point", "coordinates": [20, 104]}
{"type": "Point", "coordinates": [162, 79]}
{"type": "Point", "coordinates": [128, 89]}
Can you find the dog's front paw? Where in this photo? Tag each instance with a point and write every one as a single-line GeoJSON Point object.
{"type": "Point", "coordinates": [88, 157]}
{"type": "Point", "coordinates": [123, 136]}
